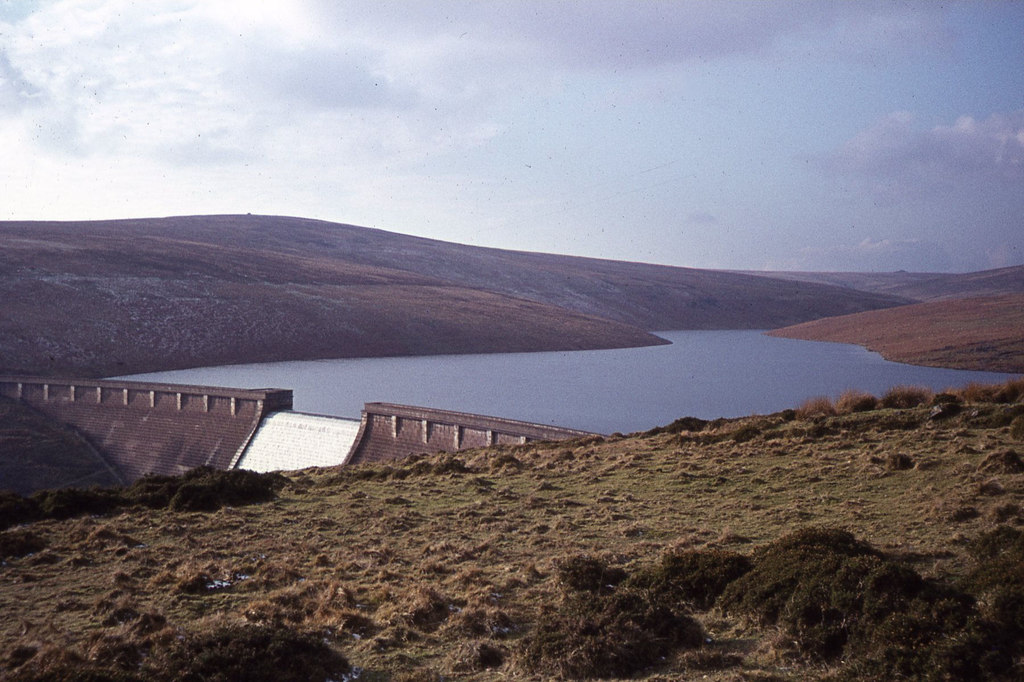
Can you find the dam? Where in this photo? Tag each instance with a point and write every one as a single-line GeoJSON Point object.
{"type": "Point", "coordinates": [142, 428]}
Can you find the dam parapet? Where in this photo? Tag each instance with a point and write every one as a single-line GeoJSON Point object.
{"type": "Point", "coordinates": [389, 432]}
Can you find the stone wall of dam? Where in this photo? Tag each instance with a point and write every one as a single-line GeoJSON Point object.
{"type": "Point", "coordinates": [146, 428]}
{"type": "Point", "coordinates": [390, 432]}
{"type": "Point", "coordinates": [166, 429]}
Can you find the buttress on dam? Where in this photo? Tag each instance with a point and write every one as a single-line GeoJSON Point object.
{"type": "Point", "coordinates": [139, 428]}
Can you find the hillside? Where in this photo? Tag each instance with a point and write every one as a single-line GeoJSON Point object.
{"type": "Point", "coordinates": [706, 550]}
{"type": "Point", "coordinates": [116, 297]}
{"type": "Point", "coordinates": [966, 333]}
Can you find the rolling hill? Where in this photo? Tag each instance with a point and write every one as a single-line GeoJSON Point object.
{"type": "Point", "coordinates": [966, 333]}
{"type": "Point", "coordinates": [100, 298]}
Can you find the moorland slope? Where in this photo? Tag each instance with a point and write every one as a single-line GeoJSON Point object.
{"type": "Point", "coordinates": [858, 539]}
{"type": "Point", "coordinates": [107, 298]}
{"type": "Point", "coordinates": [982, 333]}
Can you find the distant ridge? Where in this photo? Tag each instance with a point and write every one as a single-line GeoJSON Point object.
{"type": "Point", "coordinates": [101, 298]}
{"type": "Point", "coordinates": [918, 286]}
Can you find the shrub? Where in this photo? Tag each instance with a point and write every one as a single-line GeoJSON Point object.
{"type": "Point", "coordinates": [853, 400]}
{"type": "Point", "coordinates": [692, 424]}
{"type": "Point", "coordinates": [745, 433]}
{"type": "Point", "coordinates": [585, 573]}
{"type": "Point", "coordinates": [606, 635]}
{"type": "Point", "coordinates": [838, 597]}
{"type": "Point", "coordinates": [68, 502]}
{"type": "Point", "coordinates": [906, 397]}
{"type": "Point", "coordinates": [998, 575]}
{"type": "Point", "coordinates": [818, 406]}
{"type": "Point", "coordinates": [206, 489]}
{"type": "Point", "coordinates": [250, 652]}
{"type": "Point", "coordinates": [15, 509]}
{"type": "Point", "coordinates": [695, 577]}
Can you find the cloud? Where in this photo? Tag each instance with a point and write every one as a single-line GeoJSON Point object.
{"type": "Point", "coordinates": [16, 91]}
{"type": "Point", "coordinates": [616, 34]}
{"type": "Point", "coordinates": [896, 151]}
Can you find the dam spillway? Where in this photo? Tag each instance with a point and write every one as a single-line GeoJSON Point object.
{"type": "Point", "coordinates": [292, 440]}
{"type": "Point", "coordinates": [142, 428]}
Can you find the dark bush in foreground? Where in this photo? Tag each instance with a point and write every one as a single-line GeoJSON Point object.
{"type": "Point", "coordinates": [68, 502]}
{"type": "Point", "coordinates": [838, 597]}
{"type": "Point", "coordinates": [225, 654]}
{"type": "Point", "coordinates": [606, 635]}
{"type": "Point", "coordinates": [694, 577]}
{"type": "Point", "coordinates": [998, 577]}
{"type": "Point", "coordinates": [201, 489]}
{"type": "Point", "coordinates": [584, 573]}
{"type": "Point", "coordinates": [15, 509]}
{"type": "Point", "coordinates": [251, 653]}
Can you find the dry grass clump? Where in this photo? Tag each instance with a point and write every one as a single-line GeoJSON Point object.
{"type": "Point", "coordinates": [818, 406]}
{"type": "Point", "coordinates": [1017, 427]}
{"type": "Point", "coordinates": [1010, 391]}
{"type": "Point", "coordinates": [906, 397]}
{"type": "Point", "coordinates": [853, 400]}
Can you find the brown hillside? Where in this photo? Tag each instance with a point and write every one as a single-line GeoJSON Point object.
{"type": "Point", "coordinates": [971, 333]}
{"type": "Point", "coordinates": [114, 297]}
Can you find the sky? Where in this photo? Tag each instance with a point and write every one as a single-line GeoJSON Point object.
{"type": "Point", "coordinates": [776, 135]}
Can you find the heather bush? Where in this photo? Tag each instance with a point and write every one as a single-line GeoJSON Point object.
{"type": "Point", "coordinates": [694, 577]}
{"type": "Point", "coordinates": [585, 573]}
{"type": "Point", "coordinates": [67, 502]}
{"type": "Point", "coordinates": [998, 576]}
{"type": "Point", "coordinates": [692, 424]}
{"type": "Point", "coordinates": [838, 598]}
{"type": "Point", "coordinates": [15, 509]}
{"type": "Point", "coordinates": [254, 653]}
{"type": "Point", "coordinates": [613, 634]}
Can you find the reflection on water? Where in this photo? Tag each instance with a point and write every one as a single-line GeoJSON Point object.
{"type": "Point", "coordinates": [704, 374]}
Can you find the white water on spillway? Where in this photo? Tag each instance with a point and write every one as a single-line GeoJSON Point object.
{"type": "Point", "coordinates": [293, 440]}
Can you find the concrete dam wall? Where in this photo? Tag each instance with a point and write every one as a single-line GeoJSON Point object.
{"type": "Point", "coordinates": [145, 428]}
{"type": "Point", "coordinates": [166, 429]}
{"type": "Point", "coordinates": [391, 431]}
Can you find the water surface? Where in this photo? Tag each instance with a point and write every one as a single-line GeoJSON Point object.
{"type": "Point", "coordinates": [704, 374]}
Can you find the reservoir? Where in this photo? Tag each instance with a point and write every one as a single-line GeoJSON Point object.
{"type": "Point", "coordinates": [704, 374]}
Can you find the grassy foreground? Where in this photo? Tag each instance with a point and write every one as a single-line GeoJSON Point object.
{"type": "Point", "coordinates": [857, 538]}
